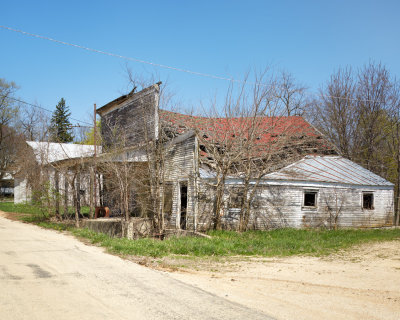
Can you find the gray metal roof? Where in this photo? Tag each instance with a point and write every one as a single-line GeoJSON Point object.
{"type": "Point", "coordinates": [333, 169]}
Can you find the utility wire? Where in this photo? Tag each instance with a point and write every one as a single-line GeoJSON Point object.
{"type": "Point", "coordinates": [39, 107]}
{"type": "Point", "coordinates": [120, 56]}
{"type": "Point", "coordinates": [163, 65]}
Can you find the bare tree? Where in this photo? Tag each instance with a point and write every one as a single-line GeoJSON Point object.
{"type": "Point", "coordinates": [249, 139]}
{"type": "Point", "coordinates": [335, 111]}
{"type": "Point", "coordinates": [9, 138]}
{"type": "Point", "coordinates": [374, 99]}
{"type": "Point", "coordinates": [334, 201]}
{"type": "Point", "coordinates": [359, 113]}
{"type": "Point", "coordinates": [34, 124]}
{"type": "Point", "coordinates": [11, 146]}
{"type": "Point", "coordinates": [8, 108]}
{"type": "Point", "coordinates": [291, 95]}
{"type": "Point", "coordinates": [393, 148]}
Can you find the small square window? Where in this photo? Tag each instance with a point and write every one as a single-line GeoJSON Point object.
{"type": "Point", "coordinates": [310, 198]}
{"type": "Point", "coordinates": [368, 201]}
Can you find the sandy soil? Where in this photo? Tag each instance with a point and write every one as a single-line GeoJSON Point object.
{"type": "Point", "coordinates": [361, 283]}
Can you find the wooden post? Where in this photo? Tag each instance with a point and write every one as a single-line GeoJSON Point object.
{"type": "Point", "coordinates": [77, 197]}
{"type": "Point", "coordinates": [397, 190]}
{"type": "Point", "coordinates": [57, 187]}
{"type": "Point", "coordinates": [78, 192]}
{"type": "Point", "coordinates": [94, 157]}
{"type": "Point", "coordinates": [65, 195]}
{"type": "Point", "coordinates": [91, 197]}
{"type": "Point", "coordinates": [101, 192]}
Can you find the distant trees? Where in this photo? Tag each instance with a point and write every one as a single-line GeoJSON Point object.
{"type": "Point", "coordinates": [33, 123]}
{"type": "Point", "coordinates": [11, 148]}
{"type": "Point", "coordinates": [334, 111]}
{"type": "Point", "coordinates": [8, 107]}
{"type": "Point", "coordinates": [354, 110]}
{"type": "Point", "coordinates": [88, 135]}
{"type": "Point", "coordinates": [10, 139]}
{"type": "Point", "coordinates": [359, 112]}
{"type": "Point", "coordinates": [60, 128]}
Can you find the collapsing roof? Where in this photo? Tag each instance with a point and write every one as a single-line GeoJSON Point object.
{"type": "Point", "coordinates": [280, 136]}
{"type": "Point", "coordinates": [269, 128]}
{"type": "Point", "coordinates": [334, 169]}
{"type": "Point", "coordinates": [267, 132]}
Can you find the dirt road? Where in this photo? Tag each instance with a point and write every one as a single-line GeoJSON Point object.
{"type": "Point", "coordinates": [48, 275]}
{"type": "Point", "coordinates": [360, 283]}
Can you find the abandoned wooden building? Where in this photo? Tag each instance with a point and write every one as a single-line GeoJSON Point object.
{"type": "Point", "coordinates": [303, 181]}
{"type": "Point", "coordinates": [65, 167]}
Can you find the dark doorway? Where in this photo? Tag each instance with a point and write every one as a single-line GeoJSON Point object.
{"type": "Point", "coordinates": [183, 189]}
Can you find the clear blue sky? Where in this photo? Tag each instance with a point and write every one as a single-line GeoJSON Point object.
{"type": "Point", "coordinates": [310, 39]}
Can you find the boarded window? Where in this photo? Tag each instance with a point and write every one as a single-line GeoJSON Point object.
{"type": "Point", "coordinates": [310, 198]}
{"type": "Point", "coordinates": [368, 200]}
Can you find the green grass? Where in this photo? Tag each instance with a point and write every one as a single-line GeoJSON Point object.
{"type": "Point", "coordinates": [284, 242]}
{"type": "Point", "coordinates": [31, 213]}
{"type": "Point", "coordinates": [27, 212]}
{"type": "Point", "coordinates": [19, 208]}
{"type": "Point", "coordinates": [54, 226]}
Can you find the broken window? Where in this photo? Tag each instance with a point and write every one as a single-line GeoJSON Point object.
{"type": "Point", "coordinates": [310, 198]}
{"type": "Point", "coordinates": [235, 198]}
{"type": "Point", "coordinates": [368, 200]}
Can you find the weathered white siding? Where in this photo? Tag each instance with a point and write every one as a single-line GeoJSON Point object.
{"type": "Point", "coordinates": [283, 206]}
{"type": "Point", "coordinates": [21, 191]}
{"type": "Point", "coordinates": [280, 204]}
{"type": "Point", "coordinates": [180, 168]}
{"type": "Point", "coordinates": [206, 200]}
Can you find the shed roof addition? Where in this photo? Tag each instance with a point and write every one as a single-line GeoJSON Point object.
{"type": "Point", "coordinates": [334, 169]}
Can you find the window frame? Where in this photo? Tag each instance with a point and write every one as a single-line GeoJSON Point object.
{"type": "Point", "coordinates": [364, 193]}
{"type": "Point", "coordinates": [313, 191]}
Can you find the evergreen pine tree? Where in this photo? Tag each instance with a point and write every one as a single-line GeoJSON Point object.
{"type": "Point", "coordinates": [60, 130]}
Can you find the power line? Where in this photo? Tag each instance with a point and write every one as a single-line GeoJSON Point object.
{"type": "Point", "coordinates": [163, 65]}
{"type": "Point", "coordinates": [47, 110]}
{"type": "Point", "coordinates": [121, 56]}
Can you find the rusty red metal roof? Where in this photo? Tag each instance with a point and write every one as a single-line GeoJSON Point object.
{"type": "Point", "coordinates": [268, 130]}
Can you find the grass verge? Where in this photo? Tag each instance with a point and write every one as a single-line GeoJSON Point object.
{"type": "Point", "coordinates": [282, 242]}
{"type": "Point", "coordinates": [34, 214]}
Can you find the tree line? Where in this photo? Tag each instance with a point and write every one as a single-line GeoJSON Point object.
{"type": "Point", "coordinates": [359, 111]}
